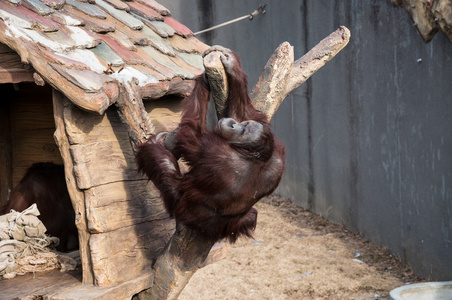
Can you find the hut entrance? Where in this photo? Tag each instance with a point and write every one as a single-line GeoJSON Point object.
{"type": "Point", "coordinates": [26, 132]}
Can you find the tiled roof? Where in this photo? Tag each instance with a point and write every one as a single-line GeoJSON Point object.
{"type": "Point", "coordinates": [87, 48]}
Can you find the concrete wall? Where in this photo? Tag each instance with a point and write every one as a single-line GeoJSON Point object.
{"type": "Point", "coordinates": [369, 136]}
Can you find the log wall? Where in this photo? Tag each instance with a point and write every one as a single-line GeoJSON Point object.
{"type": "Point", "coordinates": [123, 225]}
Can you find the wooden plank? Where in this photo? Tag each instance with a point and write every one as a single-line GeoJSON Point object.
{"type": "Point", "coordinates": [37, 7]}
{"type": "Point", "coordinates": [109, 56]}
{"type": "Point", "coordinates": [188, 45]}
{"type": "Point", "coordinates": [158, 42]}
{"type": "Point", "coordinates": [144, 11]}
{"type": "Point", "coordinates": [103, 162]}
{"type": "Point", "coordinates": [88, 9]}
{"type": "Point", "coordinates": [6, 183]}
{"type": "Point", "coordinates": [180, 28]}
{"type": "Point", "coordinates": [55, 4]}
{"type": "Point", "coordinates": [55, 285]}
{"type": "Point", "coordinates": [12, 69]}
{"type": "Point", "coordinates": [121, 204]}
{"type": "Point", "coordinates": [163, 29]}
{"type": "Point", "coordinates": [122, 290]}
{"type": "Point", "coordinates": [168, 62]}
{"type": "Point", "coordinates": [41, 283]}
{"type": "Point", "coordinates": [118, 4]}
{"type": "Point", "coordinates": [164, 113]}
{"type": "Point", "coordinates": [84, 128]}
{"type": "Point", "coordinates": [15, 76]}
{"type": "Point", "coordinates": [121, 15]}
{"type": "Point", "coordinates": [156, 6]}
{"type": "Point", "coordinates": [91, 22]}
{"type": "Point", "coordinates": [122, 254]}
{"type": "Point", "coordinates": [102, 143]}
{"type": "Point", "coordinates": [60, 104]}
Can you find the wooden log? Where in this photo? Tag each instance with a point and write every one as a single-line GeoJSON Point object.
{"type": "Point", "coordinates": [218, 82]}
{"type": "Point", "coordinates": [442, 10]}
{"type": "Point", "coordinates": [121, 204]}
{"type": "Point", "coordinates": [133, 114]}
{"type": "Point", "coordinates": [423, 18]}
{"type": "Point", "coordinates": [103, 162]}
{"type": "Point", "coordinates": [124, 253]}
{"type": "Point", "coordinates": [183, 256]}
{"type": "Point", "coordinates": [282, 77]}
{"type": "Point", "coordinates": [77, 196]}
{"type": "Point", "coordinates": [12, 70]}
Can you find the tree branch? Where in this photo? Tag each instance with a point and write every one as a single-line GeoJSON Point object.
{"type": "Point", "coordinates": [186, 250]}
{"type": "Point", "coordinates": [218, 81]}
{"type": "Point", "coordinates": [281, 75]}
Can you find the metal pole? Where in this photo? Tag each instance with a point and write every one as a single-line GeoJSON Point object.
{"type": "Point", "coordinates": [259, 10]}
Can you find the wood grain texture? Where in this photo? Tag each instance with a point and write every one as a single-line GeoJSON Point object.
{"type": "Point", "coordinates": [124, 253]}
{"type": "Point", "coordinates": [116, 205]}
{"type": "Point", "coordinates": [6, 182]}
{"type": "Point", "coordinates": [60, 104]}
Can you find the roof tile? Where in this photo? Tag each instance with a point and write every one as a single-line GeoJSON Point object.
{"type": "Point", "coordinates": [45, 24]}
{"type": "Point", "coordinates": [121, 15]}
{"type": "Point", "coordinates": [119, 4]}
{"type": "Point", "coordinates": [136, 36]}
{"type": "Point", "coordinates": [156, 6]}
{"type": "Point", "coordinates": [92, 44]}
{"type": "Point", "coordinates": [162, 29]}
{"type": "Point", "coordinates": [51, 56]}
{"type": "Point", "coordinates": [128, 56]}
{"type": "Point", "coordinates": [87, 57]}
{"type": "Point", "coordinates": [64, 19]}
{"type": "Point", "coordinates": [38, 7]}
{"type": "Point", "coordinates": [158, 42]}
{"type": "Point", "coordinates": [123, 40]}
{"type": "Point", "coordinates": [55, 4]}
{"type": "Point", "coordinates": [85, 79]}
{"type": "Point", "coordinates": [178, 27]}
{"type": "Point", "coordinates": [88, 9]}
{"type": "Point", "coordinates": [144, 11]}
{"type": "Point", "coordinates": [109, 56]}
{"type": "Point", "coordinates": [44, 40]}
{"type": "Point", "coordinates": [167, 62]}
{"type": "Point", "coordinates": [166, 72]}
{"type": "Point", "coordinates": [12, 16]}
{"type": "Point", "coordinates": [188, 45]}
{"type": "Point", "coordinates": [193, 60]}
{"type": "Point", "coordinates": [94, 24]}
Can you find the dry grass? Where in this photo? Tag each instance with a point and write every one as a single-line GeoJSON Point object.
{"type": "Point", "coordinates": [299, 255]}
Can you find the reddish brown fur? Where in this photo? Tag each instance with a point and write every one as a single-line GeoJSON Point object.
{"type": "Point", "coordinates": [44, 184]}
{"type": "Point", "coordinates": [225, 179]}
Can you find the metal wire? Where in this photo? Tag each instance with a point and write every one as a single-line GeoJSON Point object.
{"type": "Point", "coordinates": [259, 10]}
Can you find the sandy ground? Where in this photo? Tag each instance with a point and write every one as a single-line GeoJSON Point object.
{"type": "Point", "coordinates": [299, 255]}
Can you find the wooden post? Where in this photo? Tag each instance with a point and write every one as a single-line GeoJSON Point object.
{"type": "Point", "coordinates": [77, 196]}
{"type": "Point", "coordinates": [6, 182]}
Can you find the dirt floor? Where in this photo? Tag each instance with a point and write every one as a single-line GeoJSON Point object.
{"type": "Point", "coordinates": [299, 255]}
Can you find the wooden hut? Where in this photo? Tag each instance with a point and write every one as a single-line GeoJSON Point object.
{"type": "Point", "coordinates": [72, 76]}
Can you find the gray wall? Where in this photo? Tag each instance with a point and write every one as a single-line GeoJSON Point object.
{"type": "Point", "coordinates": [369, 135]}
